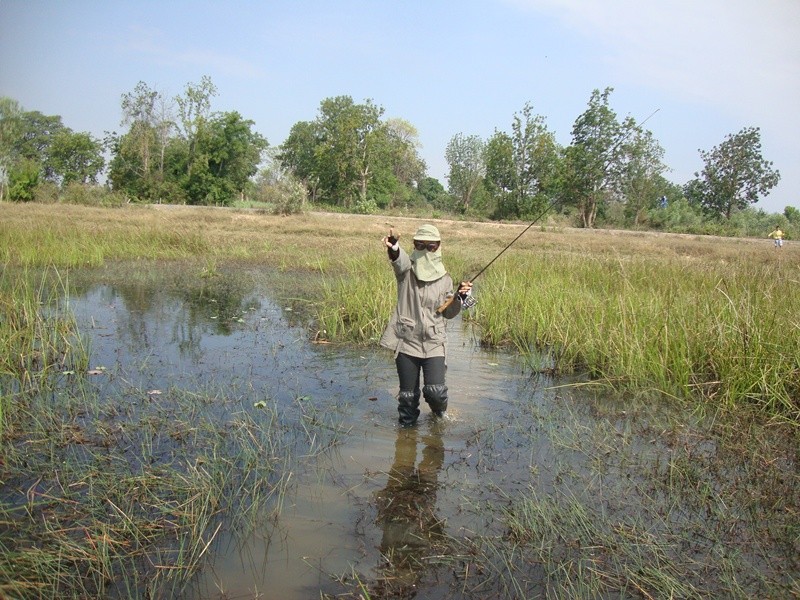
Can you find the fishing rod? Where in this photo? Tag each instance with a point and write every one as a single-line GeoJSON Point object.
{"type": "Point", "coordinates": [470, 301]}
{"type": "Point", "coordinates": [638, 127]}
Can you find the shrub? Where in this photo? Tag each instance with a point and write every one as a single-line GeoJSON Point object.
{"type": "Point", "coordinates": [91, 195]}
{"type": "Point", "coordinates": [678, 217]}
{"type": "Point", "coordinates": [365, 206]}
{"type": "Point", "coordinates": [284, 196]}
{"type": "Point", "coordinates": [46, 193]}
{"type": "Point", "coordinates": [23, 180]}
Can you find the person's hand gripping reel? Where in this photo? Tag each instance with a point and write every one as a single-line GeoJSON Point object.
{"type": "Point", "coordinates": [464, 295]}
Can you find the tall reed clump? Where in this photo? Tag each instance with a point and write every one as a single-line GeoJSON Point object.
{"type": "Point", "coordinates": [726, 330]}
{"type": "Point", "coordinates": [355, 305]}
{"type": "Point", "coordinates": [39, 339]}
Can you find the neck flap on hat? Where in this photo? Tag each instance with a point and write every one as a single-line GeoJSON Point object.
{"type": "Point", "coordinates": [427, 266]}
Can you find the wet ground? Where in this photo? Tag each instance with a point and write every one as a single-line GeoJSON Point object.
{"type": "Point", "coordinates": [377, 505]}
{"type": "Point", "coordinates": [379, 489]}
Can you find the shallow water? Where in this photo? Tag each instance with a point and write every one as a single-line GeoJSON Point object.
{"type": "Point", "coordinates": [376, 504]}
{"type": "Point", "coordinates": [155, 337]}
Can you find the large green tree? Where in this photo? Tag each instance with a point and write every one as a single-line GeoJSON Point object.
{"type": "Point", "coordinates": [735, 175]}
{"type": "Point", "coordinates": [36, 135]}
{"type": "Point", "coordinates": [139, 112]}
{"type": "Point", "coordinates": [75, 157]}
{"type": "Point", "coordinates": [194, 111]}
{"type": "Point", "coordinates": [349, 134]}
{"type": "Point", "coordinates": [298, 156]}
{"type": "Point", "coordinates": [520, 167]}
{"type": "Point", "coordinates": [35, 147]}
{"type": "Point", "coordinates": [432, 190]}
{"type": "Point", "coordinates": [349, 156]}
{"type": "Point", "coordinates": [139, 154]}
{"type": "Point", "coordinates": [643, 184]}
{"type": "Point", "coordinates": [466, 157]}
{"type": "Point", "coordinates": [227, 153]}
{"type": "Point", "coordinates": [10, 125]}
{"type": "Point", "coordinates": [196, 157]}
{"type": "Point", "coordinates": [595, 162]}
{"type": "Point", "coordinates": [403, 169]}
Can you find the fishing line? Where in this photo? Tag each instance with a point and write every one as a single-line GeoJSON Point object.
{"type": "Point", "coordinates": [470, 300]}
{"type": "Point", "coordinates": [511, 243]}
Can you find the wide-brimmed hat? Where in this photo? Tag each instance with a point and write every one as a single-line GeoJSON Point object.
{"type": "Point", "coordinates": [428, 233]}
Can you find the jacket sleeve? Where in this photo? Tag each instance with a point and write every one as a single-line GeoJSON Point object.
{"type": "Point", "coordinates": [455, 306]}
{"type": "Point", "coordinates": [401, 264]}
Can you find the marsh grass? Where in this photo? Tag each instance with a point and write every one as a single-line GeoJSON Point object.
{"type": "Point", "coordinates": [77, 240]}
{"type": "Point", "coordinates": [721, 331]}
{"type": "Point", "coordinates": [623, 501]}
{"type": "Point", "coordinates": [688, 316]}
{"type": "Point", "coordinates": [72, 236]}
{"type": "Point", "coordinates": [127, 497]}
{"type": "Point", "coordinates": [39, 340]}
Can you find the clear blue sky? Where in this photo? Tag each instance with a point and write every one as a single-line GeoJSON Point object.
{"type": "Point", "coordinates": [711, 67]}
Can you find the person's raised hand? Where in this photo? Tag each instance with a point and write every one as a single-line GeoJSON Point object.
{"type": "Point", "coordinates": [391, 240]}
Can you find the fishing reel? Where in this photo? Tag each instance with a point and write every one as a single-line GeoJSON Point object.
{"type": "Point", "coordinates": [468, 301]}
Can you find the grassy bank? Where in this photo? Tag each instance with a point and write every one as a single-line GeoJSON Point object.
{"type": "Point", "coordinates": [723, 330]}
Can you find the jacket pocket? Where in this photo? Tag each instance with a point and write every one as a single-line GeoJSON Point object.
{"type": "Point", "coordinates": [405, 328]}
{"type": "Point", "coordinates": [437, 332]}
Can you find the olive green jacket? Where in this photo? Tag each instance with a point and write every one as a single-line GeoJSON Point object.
{"type": "Point", "coordinates": [415, 328]}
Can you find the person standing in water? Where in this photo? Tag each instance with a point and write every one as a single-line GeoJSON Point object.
{"type": "Point", "coordinates": [416, 332]}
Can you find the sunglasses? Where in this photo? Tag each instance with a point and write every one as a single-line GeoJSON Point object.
{"type": "Point", "coordinates": [429, 246]}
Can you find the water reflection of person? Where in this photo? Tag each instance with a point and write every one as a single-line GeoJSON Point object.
{"type": "Point", "coordinates": [407, 512]}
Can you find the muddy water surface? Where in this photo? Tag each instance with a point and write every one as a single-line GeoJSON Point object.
{"type": "Point", "coordinates": [366, 505]}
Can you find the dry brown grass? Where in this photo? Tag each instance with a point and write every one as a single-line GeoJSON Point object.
{"type": "Point", "coordinates": [71, 234]}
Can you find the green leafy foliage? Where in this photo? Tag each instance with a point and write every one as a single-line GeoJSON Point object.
{"type": "Point", "coordinates": [350, 157]}
{"type": "Point", "coordinates": [75, 157]}
{"type": "Point", "coordinates": [466, 157]}
{"type": "Point", "coordinates": [196, 157]}
{"type": "Point", "coordinates": [735, 175]}
{"type": "Point", "coordinates": [608, 161]}
{"type": "Point", "coordinates": [23, 180]}
{"type": "Point", "coordinates": [521, 167]}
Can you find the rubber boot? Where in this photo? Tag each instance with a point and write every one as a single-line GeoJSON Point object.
{"type": "Point", "coordinates": [408, 408]}
{"type": "Point", "coordinates": [436, 397]}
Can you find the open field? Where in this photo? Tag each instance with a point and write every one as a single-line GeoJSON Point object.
{"type": "Point", "coordinates": [74, 235]}
{"type": "Point", "coordinates": [687, 316]}
{"type": "Point", "coordinates": [637, 438]}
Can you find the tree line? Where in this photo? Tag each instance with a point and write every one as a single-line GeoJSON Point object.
{"type": "Point", "coordinates": [351, 157]}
